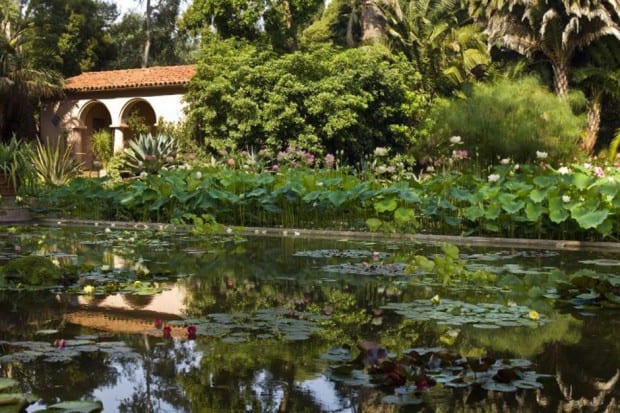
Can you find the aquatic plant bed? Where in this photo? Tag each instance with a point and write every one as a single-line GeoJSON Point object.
{"type": "Point", "coordinates": [133, 317]}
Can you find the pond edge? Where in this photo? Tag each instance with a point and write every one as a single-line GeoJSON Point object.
{"type": "Point", "coordinates": [469, 241]}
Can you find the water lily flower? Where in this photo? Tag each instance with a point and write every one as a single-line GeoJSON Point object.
{"type": "Point", "coordinates": [191, 332]}
{"type": "Point", "coordinates": [275, 168]}
{"type": "Point", "coordinates": [455, 139]}
{"type": "Point", "coordinates": [563, 170]}
{"type": "Point", "coordinates": [436, 299]}
{"type": "Point", "coordinates": [198, 175]}
{"type": "Point", "coordinates": [62, 343]}
{"type": "Point", "coordinates": [493, 177]}
{"type": "Point", "coordinates": [158, 323]}
{"type": "Point", "coordinates": [541, 155]}
{"type": "Point", "coordinates": [565, 198]}
{"type": "Point", "coordinates": [504, 161]}
{"type": "Point", "coordinates": [534, 315]}
{"type": "Point", "coordinates": [89, 290]}
{"type": "Point", "coordinates": [167, 331]}
{"type": "Point", "coordinates": [230, 162]}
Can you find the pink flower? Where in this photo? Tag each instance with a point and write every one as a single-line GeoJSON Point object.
{"type": "Point", "coordinates": [167, 332]}
{"type": "Point", "coordinates": [191, 155]}
{"type": "Point", "coordinates": [191, 332]}
{"type": "Point", "coordinates": [230, 162]}
{"type": "Point", "coordinates": [330, 160]}
{"type": "Point", "coordinates": [599, 172]}
{"type": "Point", "coordinates": [62, 343]}
{"type": "Point", "coordinates": [275, 168]}
{"type": "Point", "coordinates": [149, 157]}
{"type": "Point", "coordinates": [158, 323]}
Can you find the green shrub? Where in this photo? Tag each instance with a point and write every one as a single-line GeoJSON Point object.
{"type": "Point", "coordinates": [507, 119]}
{"type": "Point", "coordinates": [149, 153]}
{"type": "Point", "coordinates": [54, 164]}
{"type": "Point", "coordinates": [103, 146]}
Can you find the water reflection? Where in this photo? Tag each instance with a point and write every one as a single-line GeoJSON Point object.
{"type": "Point", "coordinates": [259, 372]}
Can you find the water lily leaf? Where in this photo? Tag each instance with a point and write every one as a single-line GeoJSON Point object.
{"type": "Point", "coordinates": [386, 205]}
{"type": "Point", "coordinates": [78, 406]}
{"type": "Point", "coordinates": [590, 219]}
{"type": "Point", "coordinates": [603, 262]}
{"type": "Point", "coordinates": [527, 384]}
{"type": "Point", "coordinates": [374, 224]}
{"type": "Point", "coordinates": [15, 402]}
{"type": "Point", "coordinates": [592, 295]}
{"type": "Point", "coordinates": [533, 212]}
{"type": "Point", "coordinates": [500, 387]}
{"type": "Point", "coordinates": [404, 215]}
{"type": "Point", "coordinates": [47, 332]}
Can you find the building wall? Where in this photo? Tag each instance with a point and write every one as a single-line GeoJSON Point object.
{"type": "Point", "coordinates": [71, 119]}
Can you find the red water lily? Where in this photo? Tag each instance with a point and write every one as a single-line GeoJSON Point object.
{"type": "Point", "coordinates": [191, 332]}
{"type": "Point", "coordinates": [167, 332]}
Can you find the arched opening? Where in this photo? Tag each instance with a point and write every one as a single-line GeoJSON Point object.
{"type": "Point", "coordinates": [95, 117]}
{"type": "Point", "coordinates": [138, 117]}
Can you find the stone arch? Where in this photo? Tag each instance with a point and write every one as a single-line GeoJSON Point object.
{"type": "Point", "coordinates": [142, 112]}
{"type": "Point", "coordinates": [93, 117]}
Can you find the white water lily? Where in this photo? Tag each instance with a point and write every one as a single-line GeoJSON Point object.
{"type": "Point", "coordinates": [563, 170]}
{"type": "Point", "coordinates": [505, 161]}
{"type": "Point", "coordinates": [541, 154]}
{"type": "Point", "coordinates": [455, 139]}
{"type": "Point", "coordinates": [565, 198]}
{"type": "Point", "coordinates": [493, 178]}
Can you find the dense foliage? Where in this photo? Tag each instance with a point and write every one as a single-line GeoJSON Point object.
{"type": "Point", "coordinates": [325, 101]}
{"type": "Point", "coordinates": [579, 201]}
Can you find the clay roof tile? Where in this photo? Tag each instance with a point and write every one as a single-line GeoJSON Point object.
{"type": "Point", "coordinates": [159, 76]}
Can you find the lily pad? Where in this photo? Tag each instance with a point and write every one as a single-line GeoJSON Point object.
{"type": "Point", "coordinates": [78, 406]}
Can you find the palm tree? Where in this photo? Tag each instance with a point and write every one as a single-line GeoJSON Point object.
{"type": "Point", "coordinates": [21, 86]}
{"type": "Point", "coordinates": [599, 77]}
{"type": "Point", "coordinates": [439, 38]}
{"type": "Point", "coordinates": [555, 29]}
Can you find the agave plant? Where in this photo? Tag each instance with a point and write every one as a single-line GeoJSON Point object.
{"type": "Point", "coordinates": [149, 153]}
{"type": "Point", "coordinates": [54, 164]}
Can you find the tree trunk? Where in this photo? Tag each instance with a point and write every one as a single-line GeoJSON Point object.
{"type": "Point", "coordinates": [147, 34]}
{"type": "Point", "coordinates": [594, 122]}
{"type": "Point", "coordinates": [560, 77]}
{"type": "Point", "coordinates": [373, 21]}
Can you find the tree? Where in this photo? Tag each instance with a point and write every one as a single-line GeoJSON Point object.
{"type": "Point", "coordinates": [278, 22]}
{"type": "Point", "coordinates": [600, 77]}
{"type": "Point", "coordinates": [167, 44]}
{"type": "Point", "coordinates": [439, 38]}
{"type": "Point", "coordinates": [322, 101]}
{"type": "Point", "coordinates": [553, 29]}
{"type": "Point", "coordinates": [22, 84]}
{"type": "Point", "coordinates": [71, 36]}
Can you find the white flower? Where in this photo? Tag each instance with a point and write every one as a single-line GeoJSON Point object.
{"type": "Point", "coordinates": [565, 198]}
{"type": "Point", "coordinates": [198, 175]}
{"type": "Point", "coordinates": [455, 139]}
{"type": "Point", "coordinates": [587, 165]}
{"type": "Point", "coordinates": [430, 168]}
{"type": "Point", "coordinates": [143, 175]}
{"type": "Point", "coordinates": [381, 151]}
{"type": "Point", "coordinates": [505, 161]}
{"type": "Point", "coordinates": [493, 177]}
{"type": "Point", "coordinates": [563, 170]}
{"type": "Point", "coordinates": [541, 155]}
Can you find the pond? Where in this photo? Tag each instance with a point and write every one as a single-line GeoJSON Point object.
{"type": "Point", "coordinates": [155, 321]}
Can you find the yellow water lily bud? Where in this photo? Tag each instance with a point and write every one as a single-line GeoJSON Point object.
{"type": "Point", "coordinates": [534, 315]}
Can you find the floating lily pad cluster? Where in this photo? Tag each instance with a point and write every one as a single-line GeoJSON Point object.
{"type": "Point", "coordinates": [62, 350]}
{"type": "Point", "coordinates": [457, 313]}
{"type": "Point", "coordinates": [11, 399]}
{"type": "Point", "coordinates": [405, 379]}
{"type": "Point", "coordinates": [341, 253]}
{"type": "Point", "coordinates": [368, 268]}
{"type": "Point", "coordinates": [587, 290]}
{"type": "Point", "coordinates": [263, 324]}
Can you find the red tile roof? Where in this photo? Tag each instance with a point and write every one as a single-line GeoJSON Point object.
{"type": "Point", "coordinates": [130, 78]}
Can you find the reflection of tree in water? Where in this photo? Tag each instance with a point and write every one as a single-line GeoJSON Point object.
{"type": "Point", "coordinates": [78, 377]}
{"type": "Point", "coordinates": [25, 312]}
{"type": "Point", "coordinates": [155, 374]}
{"type": "Point", "coordinates": [137, 301]}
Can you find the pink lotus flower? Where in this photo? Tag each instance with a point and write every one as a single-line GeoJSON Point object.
{"type": "Point", "coordinates": [275, 168]}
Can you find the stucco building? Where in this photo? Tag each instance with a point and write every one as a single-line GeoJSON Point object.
{"type": "Point", "coordinates": [105, 100]}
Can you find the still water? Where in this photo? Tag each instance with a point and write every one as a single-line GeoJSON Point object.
{"type": "Point", "coordinates": [159, 322]}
